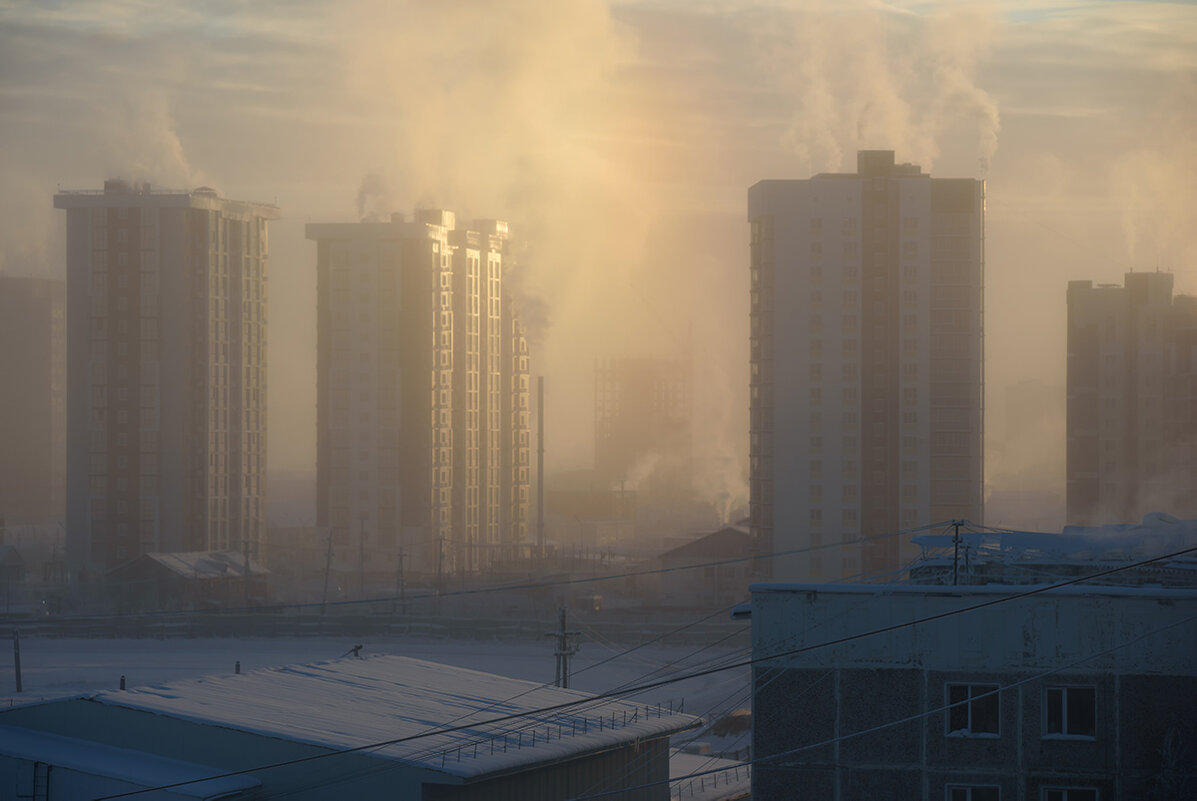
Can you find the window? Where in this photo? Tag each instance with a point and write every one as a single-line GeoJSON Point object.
{"type": "Point", "coordinates": [958, 792]}
{"type": "Point", "coordinates": [1069, 794]}
{"type": "Point", "coordinates": [1070, 711]}
{"type": "Point", "coordinates": [972, 710]}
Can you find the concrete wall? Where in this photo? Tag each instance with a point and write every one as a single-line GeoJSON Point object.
{"type": "Point", "coordinates": [842, 697]}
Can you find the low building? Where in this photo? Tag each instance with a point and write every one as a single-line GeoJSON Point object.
{"type": "Point", "coordinates": [690, 579]}
{"type": "Point", "coordinates": [993, 556]}
{"type": "Point", "coordinates": [350, 728]}
{"type": "Point", "coordinates": [974, 693]}
{"type": "Point", "coordinates": [195, 580]}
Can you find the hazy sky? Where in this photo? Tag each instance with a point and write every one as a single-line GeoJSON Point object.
{"type": "Point", "coordinates": [622, 137]}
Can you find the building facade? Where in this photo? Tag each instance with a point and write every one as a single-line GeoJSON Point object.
{"type": "Point", "coordinates": [32, 399]}
{"type": "Point", "coordinates": [166, 369]}
{"type": "Point", "coordinates": [866, 363]}
{"type": "Point", "coordinates": [1084, 693]}
{"type": "Point", "coordinates": [1132, 400]}
{"type": "Point", "coordinates": [423, 439]}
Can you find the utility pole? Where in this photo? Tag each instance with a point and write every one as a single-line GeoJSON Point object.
{"type": "Point", "coordinates": [956, 551]}
{"type": "Point", "coordinates": [564, 651]}
{"type": "Point", "coordinates": [327, 568]}
{"type": "Point", "coordinates": [400, 587]}
{"type": "Point", "coordinates": [540, 467]}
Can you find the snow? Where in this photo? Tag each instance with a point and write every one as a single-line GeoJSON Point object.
{"type": "Point", "coordinates": [350, 703]}
{"type": "Point", "coordinates": [1157, 535]}
{"type": "Point", "coordinates": [733, 781]}
{"type": "Point", "coordinates": [207, 564]}
{"type": "Point", "coordinates": [135, 767]}
{"type": "Point", "coordinates": [55, 667]}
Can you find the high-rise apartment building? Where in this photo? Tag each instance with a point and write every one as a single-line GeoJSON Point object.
{"type": "Point", "coordinates": [1132, 400]}
{"type": "Point", "coordinates": [866, 364]}
{"type": "Point", "coordinates": [423, 431]}
{"type": "Point", "coordinates": [166, 372]}
{"type": "Point", "coordinates": [32, 399]}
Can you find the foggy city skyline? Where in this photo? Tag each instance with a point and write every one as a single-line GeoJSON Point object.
{"type": "Point", "coordinates": [723, 400]}
{"type": "Point", "coordinates": [621, 139]}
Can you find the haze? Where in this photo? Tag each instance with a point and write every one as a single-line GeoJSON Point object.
{"type": "Point", "coordinates": [621, 139]}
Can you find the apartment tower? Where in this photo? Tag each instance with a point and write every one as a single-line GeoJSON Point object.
{"type": "Point", "coordinates": [1132, 400]}
{"type": "Point", "coordinates": [866, 365]}
{"type": "Point", "coordinates": [166, 373]}
{"type": "Point", "coordinates": [32, 399]}
{"type": "Point", "coordinates": [423, 436]}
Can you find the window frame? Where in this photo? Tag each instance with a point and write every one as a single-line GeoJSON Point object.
{"type": "Point", "coordinates": [969, 788]}
{"type": "Point", "coordinates": [1067, 791]}
{"type": "Point", "coordinates": [1064, 734]}
{"type": "Point", "coordinates": [983, 691]}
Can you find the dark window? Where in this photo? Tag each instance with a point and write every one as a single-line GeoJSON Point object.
{"type": "Point", "coordinates": [1069, 794]}
{"type": "Point", "coordinates": [1071, 711]}
{"type": "Point", "coordinates": [961, 793]}
{"type": "Point", "coordinates": [973, 709]}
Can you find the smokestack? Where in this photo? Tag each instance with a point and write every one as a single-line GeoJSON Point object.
{"type": "Point", "coordinates": [540, 466]}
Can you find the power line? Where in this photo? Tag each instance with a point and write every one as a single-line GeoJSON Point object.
{"type": "Point", "coordinates": [530, 585]}
{"type": "Point", "coordinates": [662, 682]}
{"type": "Point", "coordinates": [908, 719]}
{"type": "Point", "coordinates": [747, 694]}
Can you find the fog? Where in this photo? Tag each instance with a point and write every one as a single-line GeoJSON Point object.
{"type": "Point", "coordinates": [620, 139]}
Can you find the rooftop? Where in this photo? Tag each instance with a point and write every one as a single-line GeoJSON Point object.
{"type": "Point", "coordinates": [351, 703]}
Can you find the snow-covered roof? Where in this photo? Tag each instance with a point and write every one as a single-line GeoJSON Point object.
{"type": "Point", "coordinates": [731, 779]}
{"type": "Point", "coordinates": [1157, 535]}
{"type": "Point", "coordinates": [729, 541]}
{"type": "Point", "coordinates": [348, 703]}
{"type": "Point", "coordinates": [207, 564]}
{"type": "Point", "coordinates": [134, 767]}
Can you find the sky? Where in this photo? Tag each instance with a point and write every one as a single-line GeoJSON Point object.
{"type": "Point", "coordinates": [621, 139]}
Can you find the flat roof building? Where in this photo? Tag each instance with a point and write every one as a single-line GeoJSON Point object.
{"type": "Point", "coordinates": [866, 363]}
{"type": "Point", "coordinates": [166, 368]}
{"type": "Point", "coordinates": [972, 693]}
{"type": "Point", "coordinates": [423, 416]}
{"type": "Point", "coordinates": [1132, 400]}
{"type": "Point", "coordinates": [350, 728]}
